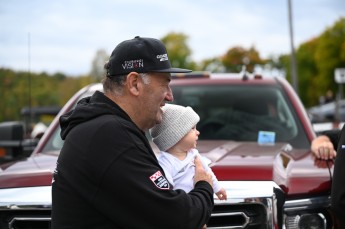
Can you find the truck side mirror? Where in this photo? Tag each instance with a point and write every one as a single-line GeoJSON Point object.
{"type": "Point", "coordinates": [11, 140]}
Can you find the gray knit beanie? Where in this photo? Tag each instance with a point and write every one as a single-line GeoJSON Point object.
{"type": "Point", "coordinates": [177, 121]}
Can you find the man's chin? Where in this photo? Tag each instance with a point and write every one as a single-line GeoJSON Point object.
{"type": "Point", "coordinates": [159, 116]}
{"type": "Point", "coordinates": [159, 120]}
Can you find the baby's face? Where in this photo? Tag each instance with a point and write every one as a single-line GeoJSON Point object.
{"type": "Point", "coordinates": [189, 141]}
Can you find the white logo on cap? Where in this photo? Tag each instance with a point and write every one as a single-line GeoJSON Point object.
{"type": "Point", "coordinates": [162, 57]}
{"type": "Point", "coordinates": [130, 64]}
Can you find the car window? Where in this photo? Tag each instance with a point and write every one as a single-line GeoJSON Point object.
{"type": "Point", "coordinates": [240, 112]}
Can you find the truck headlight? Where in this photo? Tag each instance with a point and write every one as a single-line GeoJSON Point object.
{"type": "Point", "coordinates": [311, 213]}
{"type": "Point", "coordinates": [304, 221]}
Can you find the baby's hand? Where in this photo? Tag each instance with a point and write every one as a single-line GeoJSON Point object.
{"type": "Point", "coordinates": [222, 194]}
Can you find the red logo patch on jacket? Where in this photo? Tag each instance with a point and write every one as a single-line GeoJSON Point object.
{"type": "Point", "coordinates": [159, 180]}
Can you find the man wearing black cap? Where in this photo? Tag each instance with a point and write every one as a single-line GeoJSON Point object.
{"type": "Point", "coordinates": [107, 175]}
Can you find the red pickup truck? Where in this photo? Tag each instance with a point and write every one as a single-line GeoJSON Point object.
{"type": "Point", "coordinates": [255, 131]}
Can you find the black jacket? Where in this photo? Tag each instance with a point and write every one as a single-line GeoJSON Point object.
{"type": "Point", "coordinates": [107, 176]}
{"type": "Point", "coordinates": [338, 184]}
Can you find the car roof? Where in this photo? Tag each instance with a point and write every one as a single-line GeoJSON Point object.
{"type": "Point", "coordinates": [205, 78]}
{"type": "Point", "coordinates": [221, 78]}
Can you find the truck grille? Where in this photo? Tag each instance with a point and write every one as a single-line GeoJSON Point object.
{"type": "Point", "coordinates": [247, 216]}
{"type": "Point", "coordinates": [247, 207]}
{"type": "Point", "coordinates": [25, 219]}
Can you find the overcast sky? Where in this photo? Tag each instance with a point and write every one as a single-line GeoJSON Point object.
{"type": "Point", "coordinates": [64, 35]}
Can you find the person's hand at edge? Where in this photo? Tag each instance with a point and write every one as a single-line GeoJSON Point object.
{"type": "Point", "coordinates": [323, 148]}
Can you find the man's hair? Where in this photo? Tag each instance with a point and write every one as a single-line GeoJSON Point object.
{"type": "Point", "coordinates": [115, 84]}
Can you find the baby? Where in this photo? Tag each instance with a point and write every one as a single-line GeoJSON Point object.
{"type": "Point", "coordinates": [176, 137]}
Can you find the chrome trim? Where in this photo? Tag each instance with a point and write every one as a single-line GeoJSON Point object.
{"type": "Point", "coordinates": [25, 198]}
{"type": "Point", "coordinates": [259, 192]}
{"type": "Point", "coordinates": [324, 220]}
{"type": "Point", "coordinates": [239, 192]}
{"type": "Point", "coordinates": [308, 203]}
{"type": "Point", "coordinates": [248, 190]}
{"type": "Point", "coordinates": [246, 219]}
{"type": "Point", "coordinates": [10, 224]}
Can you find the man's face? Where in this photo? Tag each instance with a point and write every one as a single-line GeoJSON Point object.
{"type": "Point", "coordinates": [156, 93]}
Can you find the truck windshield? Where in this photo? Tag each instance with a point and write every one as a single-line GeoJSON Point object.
{"type": "Point", "coordinates": [232, 112]}
{"type": "Point", "coordinates": [240, 112]}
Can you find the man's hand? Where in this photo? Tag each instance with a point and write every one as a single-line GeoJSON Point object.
{"type": "Point", "coordinates": [200, 173]}
{"type": "Point", "coordinates": [323, 148]}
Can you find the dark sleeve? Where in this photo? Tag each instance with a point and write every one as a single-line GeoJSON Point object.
{"type": "Point", "coordinates": [202, 191]}
{"type": "Point", "coordinates": [132, 198]}
{"type": "Point", "coordinates": [338, 184]}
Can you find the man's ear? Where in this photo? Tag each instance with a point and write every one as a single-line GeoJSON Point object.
{"type": "Point", "coordinates": [133, 83]}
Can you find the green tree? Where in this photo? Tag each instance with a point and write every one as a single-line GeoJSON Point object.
{"type": "Point", "coordinates": [236, 57]}
{"type": "Point", "coordinates": [67, 88]}
{"type": "Point", "coordinates": [211, 65]}
{"type": "Point", "coordinates": [307, 72]}
{"type": "Point", "coordinates": [329, 54]}
{"type": "Point", "coordinates": [23, 89]}
{"type": "Point", "coordinates": [178, 50]}
{"type": "Point", "coordinates": [317, 59]}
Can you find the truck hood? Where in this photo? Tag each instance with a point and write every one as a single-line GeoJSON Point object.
{"type": "Point", "coordinates": [33, 171]}
{"type": "Point", "coordinates": [296, 171]}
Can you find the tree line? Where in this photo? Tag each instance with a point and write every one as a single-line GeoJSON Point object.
{"type": "Point", "coordinates": [316, 59]}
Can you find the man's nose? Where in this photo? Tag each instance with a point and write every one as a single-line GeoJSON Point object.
{"type": "Point", "coordinates": [169, 97]}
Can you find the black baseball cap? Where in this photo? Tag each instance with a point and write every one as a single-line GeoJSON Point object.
{"type": "Point", "coordinates": [140, 55]}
